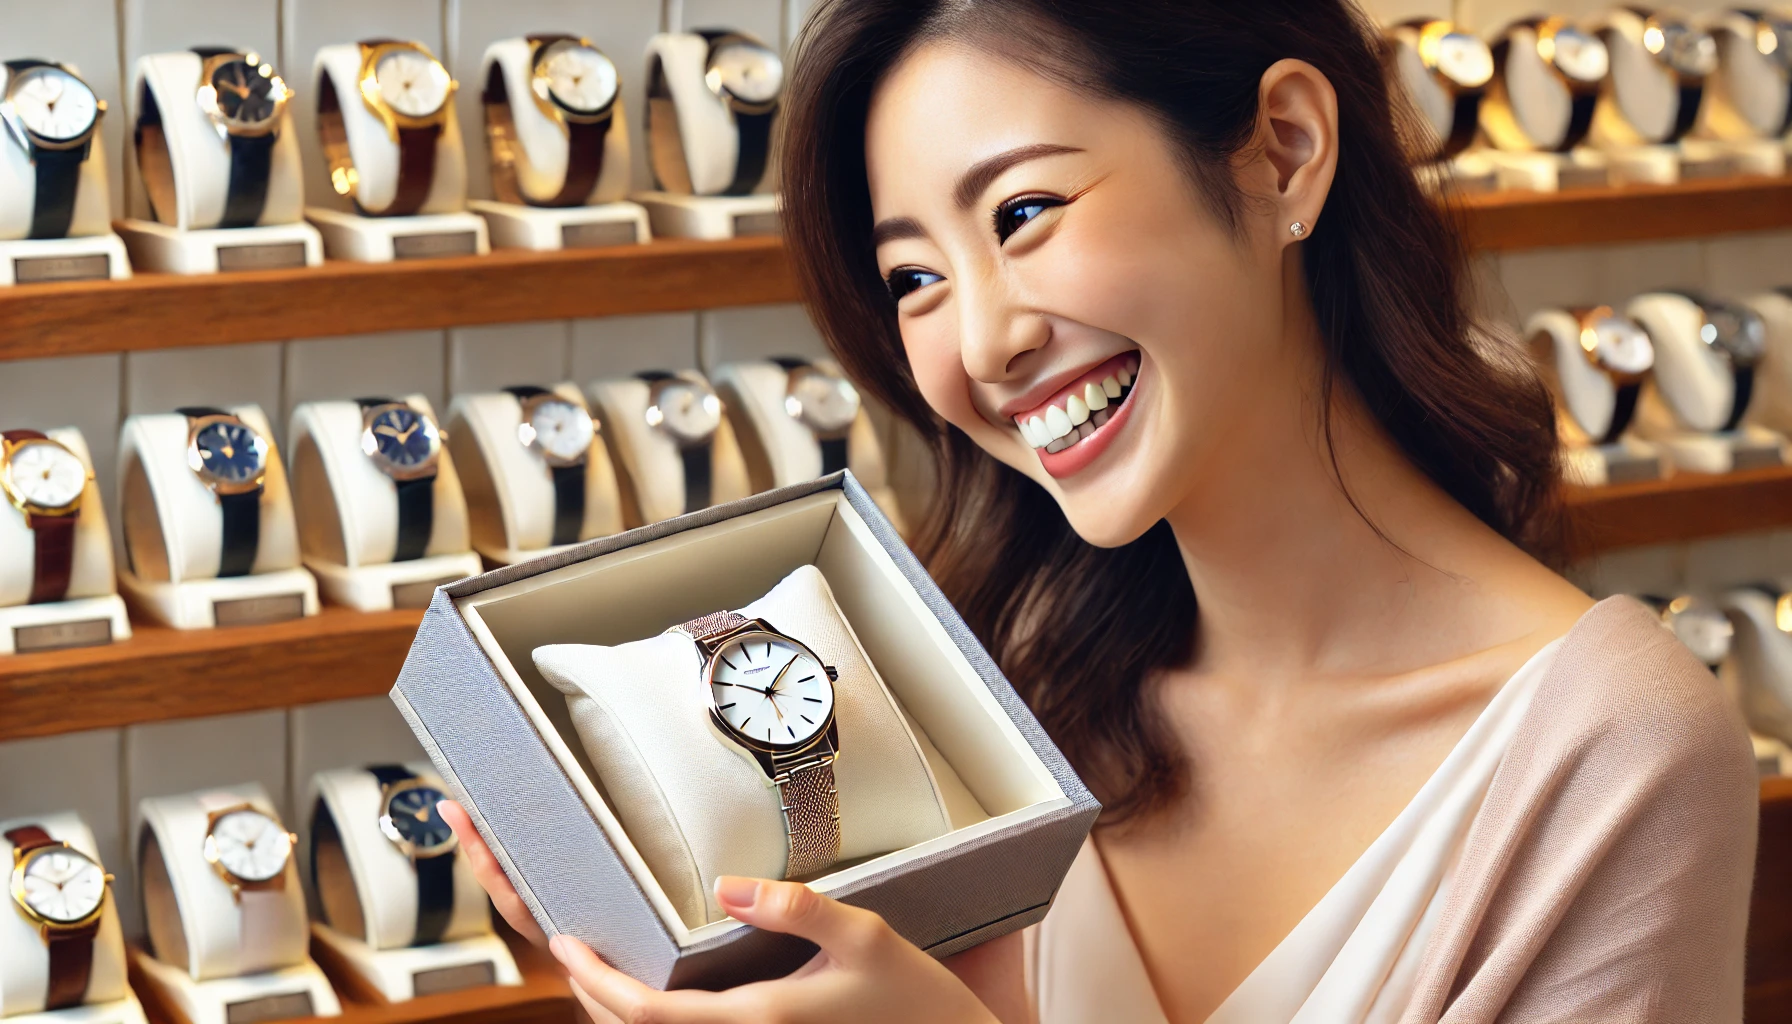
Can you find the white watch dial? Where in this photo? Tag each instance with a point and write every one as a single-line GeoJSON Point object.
{"type": "Point", "coordinates": [687, 412]}
{"type": "Point", "coordinates": [1581, 56]}
{"type": "Point", "coordinates": [579, 77]}
{"type": "Point", "coordinates": [251, 845]}
{"type": "Point", "coordinates": [825, 402]}
{"type": "Point", "coordinates": [562, 429]}
{"type": "Point", "coordinates": [411, 82]}
{"type": "Point", "coordinates": [46, 474]}
{"type": "Point", "coordinates": [63, 885]}
{"type": "Point", "coordinates": [747, 71]}
{"type": "Point", "coordinates": [1623, 345]}
{"type": "Point", "coordinates": [1465, 60]}
{"type": "Point", "coordinates": [771, 691]}
{"type": "Point", "coordinates": [53, 103]}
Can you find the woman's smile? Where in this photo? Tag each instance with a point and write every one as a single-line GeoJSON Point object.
{"type": "Point", "coordinates": [1076, 424]}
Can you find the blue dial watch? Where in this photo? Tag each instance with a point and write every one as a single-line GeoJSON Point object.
{"type": "Point", "coordinates": [410, 821]}
{"type": "Point", "coordinates": [406, 445]}
{"type": "Point", "coordinates": [231, 460]}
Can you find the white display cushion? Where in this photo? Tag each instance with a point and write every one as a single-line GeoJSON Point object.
{"type": "Point", "coordinates": [698, 807]}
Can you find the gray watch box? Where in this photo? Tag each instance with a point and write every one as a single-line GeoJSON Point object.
{"type": "Point", "coordinates": [501, 736]}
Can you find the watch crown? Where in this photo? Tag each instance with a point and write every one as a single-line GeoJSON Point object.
{"type": "Point", "coordinates": [833, 673]}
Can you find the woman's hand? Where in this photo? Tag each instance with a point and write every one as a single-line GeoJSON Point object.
{"type": "Point", "coordinates": [864, 971]}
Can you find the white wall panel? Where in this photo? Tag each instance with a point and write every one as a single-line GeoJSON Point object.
{"type": "Point", "coordinates": [1598, 275]}
{"type": "Point", "coordinates": [83, 33]}
{"type": "Point", "coordinates": [365, 366]}
{"type": "Point", "coordinates": [77, 772]}
{"type": "Point", "coordinates": [762, 18]}
{"type": "Point", "coordinates": [218, 375]}
{"type": "Point", "coordinates": [1649, 570]}
{"type": "Point", "coordinates": [309, 25]}
{"type": "Point", "coordinates": [757, 332]}
{"type": "Point", "coordinates": [1715, 563]}
{"type": "Point", "coordinates": [620, 345]}
{"type": "Point", "coordinates": [1741, 265]}
{"type": "Point", "coordinates": [1388, 12]}
{"type": "Point", "coordinates": [490, 358]}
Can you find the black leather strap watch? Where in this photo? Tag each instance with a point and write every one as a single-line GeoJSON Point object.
{"type": "Point", "coordinates": [406, 446]}
{"type": "Point", "coordinates": [53, 116]}
{"type": "Point", "coordinates": [230, 458]}
{"type": "Point", "coordinates": [686, 409]}
{"type": "Point", "coordinates": [561, 432]}
{"type": "Point", "coordinates": [410, 821]}
{"type": "Point", "coordinates": [826, 403]}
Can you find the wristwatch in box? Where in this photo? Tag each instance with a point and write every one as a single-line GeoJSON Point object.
{"type": "Point", "coordinates": [772, 699]}
{"type": "Point", "coordinates": [1737, 335]}
{"type": "Point", "coordinates": [1577, 59]}
{"type": "Point", "coordinates": [748, 77]}
{"type": "Point", "coordinates": [405, 444]}
{"type": "Point", "coordinates": [1687, 51]}
{"type": "Point", "coordinates": [686, 409]}
{"type": "Point", "coordinates": [407, 89]}
{"type": "Point", "coordinates": [250, 850]}
{"type": "Point", "coordinates": [45, 482]}
{"type": "Point", "coordinates": [561, 432]}
{"type": "Point", "coordinates": [409, 820]}
{"type": "Point", "coordinates": [823, 401]}
{"type": "Point", "coordinates": [1461, 64]}
{"type": "Point", "coordinates": [53, 116]}
{"type": "Point", "coordinates": [231, 460]}
{"type": "Point", "coordinates": [63, 892]}
{"type": "Point", "coordinates": [575, 86]}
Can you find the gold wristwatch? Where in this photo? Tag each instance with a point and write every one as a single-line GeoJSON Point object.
{"type": "Point", "coordinates": [1578, 60]}
{"type": "Point", "coordinates": [1620, 348]}
{"type": "Point", "coordinates": [403, 85]}
{"type": "Point", "coordinates": [1462, 65]}
{"type": "Point", "coordinates": [575, 86]}
{"type": "Point", "coordinates": [772, 699]}
{"type": "Point", "coordinates": [62, 892]}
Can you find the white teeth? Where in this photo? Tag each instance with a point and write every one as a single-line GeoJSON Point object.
{"type": "Point", "coordinates": [1057, 422]}
{"type": "Point", "coordinates": [1094, 397]}
{"type": "Point", "coordinates": [1026, 431]}
{"type": "Point", "coordinates": [1077, 411]}
{"type": "Point", "coordinates": [1124, 378]}
{"type": "Point", "coordinates": [1041, 436]}
{"type": "Point", "coordinates": [1110, 387]}
{"type": "Point", "coordinates": [1100, 417]}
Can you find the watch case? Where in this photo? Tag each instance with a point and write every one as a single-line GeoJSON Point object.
{"type": "Point", "coordinates": [369, 902]}
{"type": "Point", "coordinates": [487, 719]}
{"type": "Point", "coordinates": [347, 515]}
{"type": "Point", "coordinates": [24, 959]}
{"type": "Point", "coordinates": [173, 526]}
{"type": "Point", "coordinates": [510, 489]}
{"type": "Point", "coordinates": [650, 465]}
{"type": "Point", "coordinates": [93, 613]}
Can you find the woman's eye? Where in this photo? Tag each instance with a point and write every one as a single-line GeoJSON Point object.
{"type": "Point", "coordinates": [904, 280]}
{"type": "Point", "coordinates": [1014, 214]}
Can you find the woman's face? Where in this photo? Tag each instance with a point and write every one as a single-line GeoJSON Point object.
{"type": "Point", "coordinates": [1065, 296]}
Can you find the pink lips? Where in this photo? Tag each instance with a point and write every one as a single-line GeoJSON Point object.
{"type": "Point", "coordinates": [1077, 457]}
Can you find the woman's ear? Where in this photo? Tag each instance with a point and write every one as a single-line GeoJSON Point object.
{"type": "Point", "coordinates": [1298, 126]}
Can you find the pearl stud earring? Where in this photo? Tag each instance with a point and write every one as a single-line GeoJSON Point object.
{"type": "Point", "coordinates": [1297, 229]}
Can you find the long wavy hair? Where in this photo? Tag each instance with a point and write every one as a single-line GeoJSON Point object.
{"type": "Point", "coordinates": [1083, 631]}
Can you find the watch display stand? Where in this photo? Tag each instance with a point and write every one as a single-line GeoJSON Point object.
{"type": "Point", "coordinates": [173, 531]}
{"type": "Point", "coordinates": [1758, 158]}
{"type": "Point", "coordinates": [1548, 172]}
{"type": "Point", "coordinates": [541, 155]}
{"type": "Point", "coordinates": [1687, 400]}
{"type": "Point", "coordinates": [25, 958]}
{"type": "Point", "coordinates": [711, 217]}
{"type": "Point", "coordinates": [698, 807]}
{"type": "Point", "coordinates": [649, 464]}
{"type": "Point", "coordinates": [89, 251]}
{"type": "Point", "coordinates": [347, 513]}
{"type": "Point", "coordinates": [189, 191]}
{"type": "Point", "coordinates": [205, 964]}
{"type": "Point", "coordinates": [1761, 659]}
{"type": "Point", "coordinates": [85, 258]}
{"type": "Point", "coordinates": [510, 488]}
{"type": "Point", "coordinates": [1585, 395]}
{"type": "Point", "coordinates": [441, 227]}
{"type": "Point", "coordinates": [1747, 100]}
{"type": "Point", "coordinates": [780, 450]}
{"type": "Point", "coordinates": [92, 613]}
{"type": "Point", "coordinates": [368, 891]}
{"type": "Point", "coordinates": [1773, 384]}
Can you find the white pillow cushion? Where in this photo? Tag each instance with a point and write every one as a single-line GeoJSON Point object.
{"type": "Point", "coordinates": [698, 807]}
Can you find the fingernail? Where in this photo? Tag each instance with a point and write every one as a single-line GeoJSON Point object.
{"type": "Point", "coordinates": [736, 892]}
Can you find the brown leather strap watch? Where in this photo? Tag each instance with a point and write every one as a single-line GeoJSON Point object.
{"type": "Point", "coordinates": [45, 481]}
{"type": "Point", "coordinates": [408, 90]}
{"type": "Point", "coordinates": [63, 892]}
{"type": "Point", "coordinates": [574, 86]}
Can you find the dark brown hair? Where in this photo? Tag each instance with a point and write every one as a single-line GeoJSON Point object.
{"type": "Point", "coordinates": [1082, 631]}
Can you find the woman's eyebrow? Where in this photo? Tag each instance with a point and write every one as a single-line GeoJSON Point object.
{"type": "Point", "coordinates": [896, 229]}
{"type": "Point", "coordinates": [972, 183]}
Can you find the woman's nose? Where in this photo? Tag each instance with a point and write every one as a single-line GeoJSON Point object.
{"type": "Point", "coordinates": [996, 332]}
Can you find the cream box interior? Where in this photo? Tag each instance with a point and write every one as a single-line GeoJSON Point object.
{"type": "Point", "coordinates": [1018, 818]}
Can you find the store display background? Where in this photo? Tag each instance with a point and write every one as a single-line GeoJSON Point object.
{"type": "Point", "coordinates": [103, 774]}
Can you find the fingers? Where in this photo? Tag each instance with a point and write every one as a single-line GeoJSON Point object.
{"type": "Point", "coordinates": [490, 874]}
{"type": "Point", "coordinates": [603, 988]}
{"type": "Point", "coordinates": [847, 934]}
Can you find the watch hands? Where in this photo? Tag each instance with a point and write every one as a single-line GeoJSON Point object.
{"type": "Point", "coordinates": [780, 676]}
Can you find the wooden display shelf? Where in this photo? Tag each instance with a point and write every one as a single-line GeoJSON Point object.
{"type": "Point", "coordinates": [1688, 506]}
{"type": "Point", "coordinates": [1768, 992]}
{"type": "Point", "coordinates": [152, 311]}
{"type": "Point", "coordinates": [542, 998]}
{"type": "Point", "coordinates": [1505, 221]}
{"type": "Point", "coordinates": [163, 673]}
